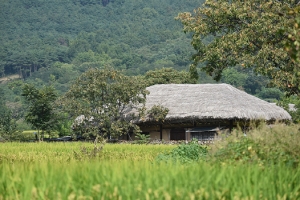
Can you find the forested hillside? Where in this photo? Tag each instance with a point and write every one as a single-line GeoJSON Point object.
{"type": "Point", "coordinates": [134, 35]}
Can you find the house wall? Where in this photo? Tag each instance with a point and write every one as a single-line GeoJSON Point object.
{"type": "Point", "coordinates": [188, 135]}
{"type": "Point", "coordinates": [166, 134]}
{"type": "Point", "coordinates": [154, 130]}
{"type": "Point", "coordinates": [155, 135]}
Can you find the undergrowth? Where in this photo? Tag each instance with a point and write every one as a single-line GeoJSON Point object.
{"type": "Point", "coordinates": [185, 153]}
{"type": "Point", "coordinates": [264, 145]}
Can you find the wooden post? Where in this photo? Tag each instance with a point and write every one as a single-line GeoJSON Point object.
{"type": "Point", "coordinates": [160, 131]}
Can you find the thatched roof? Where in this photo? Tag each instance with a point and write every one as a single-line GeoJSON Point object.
{"type": "Point", "coordinates": [211, 102]}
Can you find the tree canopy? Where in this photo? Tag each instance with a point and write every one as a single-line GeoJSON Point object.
{"type": "Point", "coordinates": [102, 97]}
{"type": "Point", "coordinates": [247, 33]}
{"type": "Point", "coordinates": [41, 112]}
{"type": "Point", "coordinates": [167, 76]}
{"type": "Point", "coordinates": [132, 35]}
{"type": "Point", "coordinates": [7, 124]}
{"type": "Point", "coordinates": [293, 44]}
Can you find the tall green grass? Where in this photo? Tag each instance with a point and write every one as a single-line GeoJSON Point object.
{"type": "Point", "coordinates": [146, 180]}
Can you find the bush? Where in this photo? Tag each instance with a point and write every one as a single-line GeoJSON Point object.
{"type": "Point", "coordinates": [185, 153]}
{"type": "Point", "coordinates": [265, 145]}
{"type": "Point", "coordinates": [142, 138]}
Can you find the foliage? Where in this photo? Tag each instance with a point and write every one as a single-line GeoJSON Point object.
{"type": "Point", "coordinates": [233, 77]}
{"type": "Point", "coordinates": [265, 146]}
{"type": "Point", "coordinates": [8, 126]}
{"type": "Point", "coordinates": [270, 94]}
{"type": "Point", "coordinates": [16, 86]}
{"type": "Point", "coordinates": [143, 180]}
{"type": "Point", "coordinates": [244, 79]}
{"type": "Point", "coordinates": [157, 113]}
{"type": "Point", "coordinates": [7, 123]}
{"type": "Point", "coordinates": [40, 111]}
{"type": "Point", "coordinates": [86, 153]}
{"type": "Point", "coordinates": [246, 33]}
{"type": "Point", "coordinates": [28, 136]}
{"type": "Point", "coordinates": [167, 76]}
{"type": "Point", "coordinates": [185, 153]}
{"type": "Point", "coordinates": [64, 125]}
{"type": "Point", "coordinates": [51, 171]}
{"type": "Point", "coordinates": [130, 34]}
{"type": "Point", "coordinates": [60, 152]}
{"type": "Point", "coordinates": [142, 138]}
{"type": "Point", "coordinates": [53, 42]}
{"type": "Point", "coordinates": [102, 97]}
{"type": "Point", "coordinates": [292, 45]}
{"type": "Point", "coordinates": [295, 111]}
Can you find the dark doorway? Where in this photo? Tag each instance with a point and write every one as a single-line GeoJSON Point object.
{"type": "Point", "coordinates": [177, 134]}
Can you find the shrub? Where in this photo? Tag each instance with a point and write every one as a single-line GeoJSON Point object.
{"type": "Point", "coordinates": [274, 144]}
{"type": "Point", "coordinates": [185, 153]}
{"type": "Point", "coordinates": [142, 138]}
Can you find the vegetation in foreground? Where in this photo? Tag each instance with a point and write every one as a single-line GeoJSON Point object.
{"type": "Point", "coordinates": [265, 164]}
{"type": "Point", "coordinates": [146, 180]}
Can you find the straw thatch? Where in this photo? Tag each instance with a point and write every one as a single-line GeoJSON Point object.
{"type": "Point", "coordinates": [211, 102]}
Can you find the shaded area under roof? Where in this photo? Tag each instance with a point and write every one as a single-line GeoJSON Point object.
{"type": "Point", "coordinates": [204, 129]}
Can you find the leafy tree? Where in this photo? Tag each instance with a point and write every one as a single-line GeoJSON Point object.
{"type": "Point", "coordinates": [247, 33]}
{"type": "Point", "coordinates": [255, 82]}
{"type": "Point", "coordinates": [103, 97]}
{"type": "Point", "coordinates": [293, 43]}
{"type": "Point", "coordinates": [293, 111]}
{"type": "Point", "coordinates": [41, 112]}
{"type": "Point", "coordinates": [142, 138]}
{"type": "Point", "coordinates": [35, 34]}
{"type": "Point", "coordinates": [7, 123]}
{"type": "Point", "coordinates": [64, 124]}
{"type": "Point", "coordinates": [168, 75]}
{"type": "Point", "coordinates": [270, 93]}
{"type": "Point", "coordinates": [296, 112]}
{"type": "Point", "coordinates": [233, 77]}
{"type": "Point", "coordinates": [157, 113]}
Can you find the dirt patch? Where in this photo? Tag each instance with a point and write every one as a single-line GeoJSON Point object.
{"type": "Point", "coordinates": [9, 78]}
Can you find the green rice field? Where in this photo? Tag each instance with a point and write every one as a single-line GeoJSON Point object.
{"type": "Point", "coordinates": [127, 171]}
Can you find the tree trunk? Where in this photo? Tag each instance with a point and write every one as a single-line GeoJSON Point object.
{"type": "Point", "coordinates": [38, 135]}
{"type": "Point", "coordinates": [42, 138]}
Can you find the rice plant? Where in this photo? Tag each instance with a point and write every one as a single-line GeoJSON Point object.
{"type": "Point", "coordinates": [146, 180]}
{"type": "Point", "coordinates": [239, 167]}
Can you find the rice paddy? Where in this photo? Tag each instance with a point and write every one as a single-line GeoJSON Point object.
{"type": "Point", "coordinates": [126, 171]}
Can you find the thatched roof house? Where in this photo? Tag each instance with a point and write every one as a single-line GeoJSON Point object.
{"type": "Point", "coordinates": [203, 108]}
{"type": "Point", "coordinates": [209, 102]}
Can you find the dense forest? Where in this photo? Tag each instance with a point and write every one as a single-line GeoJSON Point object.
{"type": "Point", "coordinates": [131, 35]}
{"type": "Point", "coordinates": [47, 42]}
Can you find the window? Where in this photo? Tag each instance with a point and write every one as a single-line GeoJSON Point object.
{"type": "Point", "coordinates": [204, 136]}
